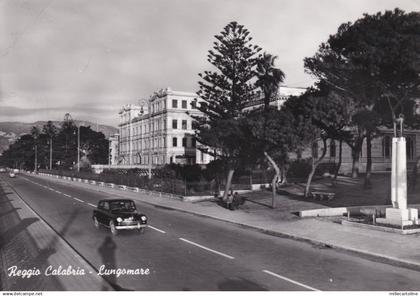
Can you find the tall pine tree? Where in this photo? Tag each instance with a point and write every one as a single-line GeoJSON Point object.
{"type": "Point", "coordinates": [223, 95]}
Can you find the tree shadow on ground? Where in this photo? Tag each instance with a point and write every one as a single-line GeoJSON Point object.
{"type": "Point", "coordinates": [41, 261]}
{"type": "Point", "coordinates": [9, 212]}
{"type": "Point", "coordinates": [12, 232]}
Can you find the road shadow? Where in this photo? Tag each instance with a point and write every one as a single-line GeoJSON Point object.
{"type": "Point", "coordinates": [239, 284]}
{"type": "Point", "coordinates": [9, 212]}
{"type": "Point", "coordinates": [12, 232]}
{"type": "Point", "coordinates": [107, 252]}
{"type": "Point", "coordinates": [7, 201]}
{"type": "Point", "coordinates": [41, 261]}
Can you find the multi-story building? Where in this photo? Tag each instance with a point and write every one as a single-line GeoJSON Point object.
{"type": "Point", "coordinates": [159, 131]}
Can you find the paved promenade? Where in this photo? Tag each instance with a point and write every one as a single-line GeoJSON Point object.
{"type": "Point", "coordinates": [26, 242]}
{"type": "Point", "coordinates": [402, 250]}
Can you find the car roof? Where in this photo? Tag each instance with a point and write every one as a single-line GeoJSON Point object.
{"type": "Point", "coordinates": [117, 199]}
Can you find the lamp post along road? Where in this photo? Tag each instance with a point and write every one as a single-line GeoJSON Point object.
{"type": "Point", "coordinates": [78, 148]}
{"type": "Point", "coordinates": [36, 157]}
{"type": "Point", "coordinates": [50, 153]}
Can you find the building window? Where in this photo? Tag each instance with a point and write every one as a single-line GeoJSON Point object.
{"type": "Point", "coordinates": [332, 148]}
{"type": "Point", "coordinates": [184, 142]}
{"type": "Point", "coordinates": [164, 124]}
{"type": "Point", "coordinates": [174, 123]}
{"type": "Point", "coordinates": [193, 142]}
{"type": "Point", "coordinates": [410, 148]}
{"type": "Point", "coordinates": [174, 104]}
{"type": "Point", "coordinates": [386, 146]}
{"type": "Point", "coordinates": [184, 104]}
{"type": "Point", "coordinates": [174, 142]}
{"type": "Point", "coordinates": [194, 104]}
{"type": "Point", "coordinates": [164, 105]}
{"type": "Point", "coordinates": [184, 124]}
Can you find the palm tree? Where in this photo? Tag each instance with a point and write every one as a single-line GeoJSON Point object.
{"type": "Point", "coordinates": [51, 131]}
{"type": "Point", "coordinates": [35, 134]}
{"type": "Point", "coordinates": [268, 80]}
{"type": "Point", "coordinates": [268, 77]}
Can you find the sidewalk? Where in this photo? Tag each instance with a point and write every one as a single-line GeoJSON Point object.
{"type": "Point", "coordinates": [29, 243]}
{"type": "Point", "coordinates": [402, 250]}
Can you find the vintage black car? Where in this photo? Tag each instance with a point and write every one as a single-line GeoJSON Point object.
{"type": "Point", "coordinates": [118, 214]}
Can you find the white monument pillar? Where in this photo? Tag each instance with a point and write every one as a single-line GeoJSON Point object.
{"type": "Point", "coordinates": [399, 214]}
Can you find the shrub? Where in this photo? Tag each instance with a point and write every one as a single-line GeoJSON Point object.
{"type": "Point", "coordinates": [299, 168]}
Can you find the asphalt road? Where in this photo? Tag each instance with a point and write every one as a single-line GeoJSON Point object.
{"type": "Point", "coordinates": [187, 252]}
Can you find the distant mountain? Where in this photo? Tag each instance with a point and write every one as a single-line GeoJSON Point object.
{"type": "Point", "coordinates": [10, 131]}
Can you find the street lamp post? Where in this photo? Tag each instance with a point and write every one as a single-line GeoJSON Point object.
{"type": "Point", "coordinates": [50, 153]}
{"type": "Point", "coordinates": [78, 148]}
{"type": "Point", "coordinates": [36, 157]}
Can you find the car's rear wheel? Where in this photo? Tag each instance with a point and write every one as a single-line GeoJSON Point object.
{"type": "Point", "coordinates": [114, 230]}
{"type": "Point", "coordinates": [96, 223]}
{"type": "Point", "coordinates": [141, 230]}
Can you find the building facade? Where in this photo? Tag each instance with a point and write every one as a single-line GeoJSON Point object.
{"type": "Point", "coordinates": [381, 152]}
{"type": "Point", "coordinates": [159, 131]}
{"type": "Point", "coordinates": [284, 92]}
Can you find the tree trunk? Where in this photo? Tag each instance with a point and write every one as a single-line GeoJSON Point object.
{"type": "Point", "coordinates": [340, 159]}
{"type": "Point", "coordinates": [368, 183]}
{"type": "Point", "coordinates": [355, 163]}
{"type": "Point", "coordinates": [315, 164]}
{"type": "Point", "coordinates": [277, 176]}
{"type": "Point", "coordinates": [283, 170]}
{"type": "Point", "coordinates": [228, 183]}
{"type": "Point", "coordinates": [308, 182]}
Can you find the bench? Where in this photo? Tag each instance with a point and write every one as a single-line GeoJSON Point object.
{"type": "Point", "coordinates": [323, 195]}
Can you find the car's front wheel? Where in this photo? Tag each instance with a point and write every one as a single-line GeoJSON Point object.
{"type": "Point", "coordinates": [96, 223]}
{"type": "Point", "coordinates": [114, 230]}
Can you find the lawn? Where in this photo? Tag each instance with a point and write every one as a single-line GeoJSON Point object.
{"type": "Point", "coordinates": [348, 192]}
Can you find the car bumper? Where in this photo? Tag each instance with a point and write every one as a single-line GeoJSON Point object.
{"type": "Point", "coordinates": [135, 226]}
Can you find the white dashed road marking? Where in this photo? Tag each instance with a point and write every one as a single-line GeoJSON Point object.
{"type": "Point", "coordinates": [157, 229]}
{"type": "Point", "coordinates": [207, 249]}
{"type": "Point", "coordinates": [92, 205]}
{"type": "Point", "coordinates": [65, 194]}
{"type": "Point", "coordinates": [78, 199]}
{"type": "Point", "coordinates": [289, 280]}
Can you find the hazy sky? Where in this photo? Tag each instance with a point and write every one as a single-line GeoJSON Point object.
{"type": "Point", "coordinates": [90, 57]}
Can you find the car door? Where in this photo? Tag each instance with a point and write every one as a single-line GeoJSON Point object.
{"type": "Point", "coordinates": [106, 213]}
{"type": "Point", "coordinates": [98, 212]}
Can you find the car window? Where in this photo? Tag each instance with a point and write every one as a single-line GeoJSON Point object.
{"type": "Point", "coordinates": [125, 205]}
{"type": "Point", "coordinates": [101, 205]}
{"type": "Point", "coordinates": [106, 206]}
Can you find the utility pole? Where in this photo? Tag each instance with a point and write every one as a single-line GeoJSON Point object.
{"type": "Point", "coordinates": [50, 153]}
{"type": "Point", "coordinates": [130, 156]}
{"type": "Point", "coordinates": [36, 157]}
{"type": "Point", "coordinates": [78, 148]}
{"type": "Point", "coordinates": [150, 141]}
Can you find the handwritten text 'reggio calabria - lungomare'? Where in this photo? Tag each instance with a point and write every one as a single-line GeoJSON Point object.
{"type": "Point", "coordinates": [14, 271]}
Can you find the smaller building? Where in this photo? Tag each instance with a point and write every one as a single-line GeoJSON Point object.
{"type": "Point", "coordinates": [113, 149]}
{"type": "Point", "coordinates": [380, 152]}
